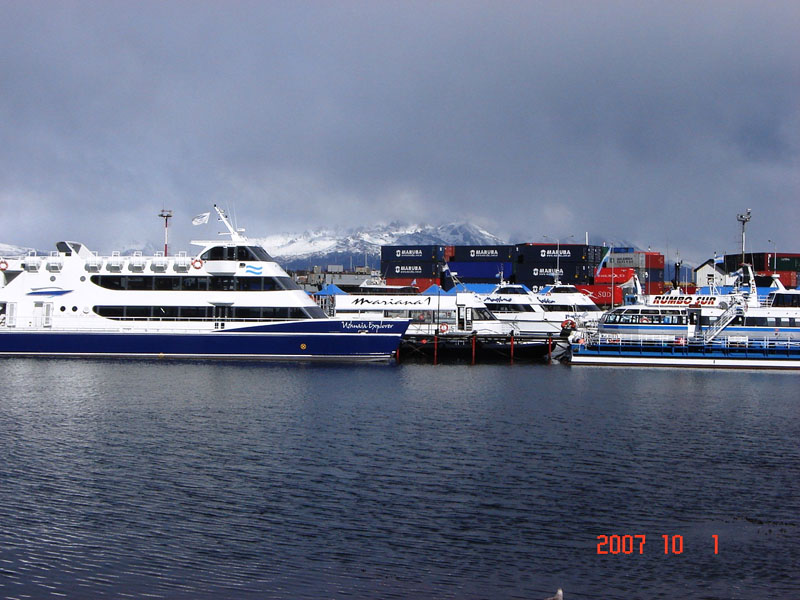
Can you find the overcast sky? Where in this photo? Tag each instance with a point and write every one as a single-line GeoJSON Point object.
{"type": "Point", "coordinates": [653, 122]}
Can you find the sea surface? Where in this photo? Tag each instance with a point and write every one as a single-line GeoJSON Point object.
{"type": "Point", "coordinates": [200, 480]}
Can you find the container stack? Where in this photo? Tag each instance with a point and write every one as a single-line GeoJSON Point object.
{"type": "Point", "coordinates": [538, 265]}
{"type": "Point", "coordinates": [418, 266]}
{"type": "Point", "coordinates": [596, 270]}
{"type": "Point", "coordinates": [648, 267]}
{"type": "Point", "coordinates": [786, 266]}
{"type": "Point", "coordinates": [481, 264]}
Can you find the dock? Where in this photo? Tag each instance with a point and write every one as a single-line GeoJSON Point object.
{"type": "Point", "coordinates": [474, 349]}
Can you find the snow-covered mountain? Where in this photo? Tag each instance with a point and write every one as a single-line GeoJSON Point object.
{"type": "Point", "coordinates": [355, 246]}
{"type": "Point", "coordinates": [7, 250]}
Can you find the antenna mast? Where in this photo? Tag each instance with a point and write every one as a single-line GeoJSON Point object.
{"type": "Point", "coordinates": [166, 215]}
{"type": "Point", "coordinates": [743, 219]}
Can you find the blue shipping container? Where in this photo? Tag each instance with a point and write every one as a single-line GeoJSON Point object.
{"type": "Point", "coordinates": [412, 253]}
{"type": "Point", "coordinates": [485, 271]}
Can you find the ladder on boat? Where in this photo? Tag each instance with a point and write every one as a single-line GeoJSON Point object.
{"type": "Point", "coordinates": [725, 319]}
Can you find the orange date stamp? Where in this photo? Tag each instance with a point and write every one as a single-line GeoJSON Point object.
{"type": "Point", "coordinates": [634, 544]}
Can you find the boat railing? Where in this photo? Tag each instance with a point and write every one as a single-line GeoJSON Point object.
{"type": "Point", "coordinates": [663, 341]}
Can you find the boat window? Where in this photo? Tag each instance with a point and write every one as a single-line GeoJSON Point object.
{"type": "Point", "coordinates": [195, 312]}
{"type": "Point", "coordinates": [139, 283]}
{"type": "Point", "coordinates": [215, 253]}
{"type": "Point", "coordinates": [287, 283]}
{"type": "Point", "coordinates": [194, 283]}
{"type": "Point", "coordinates": [260, 253]}
{"type": "Point", "coordinates": [137, 312]}
{"type": "Point", "coordinates": [225, 284]}
{"type": "Point", "coordinates": [205, 312]}
{"type": "Point", "coordinates": [315, 312]}
{"type": "Point", "coordinates": [167, 283]}
{"type": "Point", "coordinates": [165, 312]}
{"type": "Point", "coordinates": [482, 314]}
{"type": "Point", "coordinates": [785, 300]}
{"type": "Point", "coordinates": [558, 307]}
{"type": "Point", "coordinates": [247, 312]}
{"type": "Point", "coordinates": [420, 316]}
{"type": "Point", "coordinates": [507, 308]}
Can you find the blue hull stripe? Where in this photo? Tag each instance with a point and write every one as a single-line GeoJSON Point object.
{"type": "Point", "coordinates": [223, 344]}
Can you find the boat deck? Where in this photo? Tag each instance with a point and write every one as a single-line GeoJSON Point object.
{"type": "Point", "coordinates": [727, 352]}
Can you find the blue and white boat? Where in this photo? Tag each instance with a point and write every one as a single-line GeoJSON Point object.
{"type": "Point", "coordinates": [733, 330]}
{"type": "Point", "coordinates": [231, 300]}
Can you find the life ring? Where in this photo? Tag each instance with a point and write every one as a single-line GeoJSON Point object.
{"type": "Point", "coordinates": [3, 265]}
{"type": "Point", "coordinates": [443, 328]}
{"type": "Point", "coordinates": [568, 324]}
{"type": "Point", "coordinates": [197, 263]}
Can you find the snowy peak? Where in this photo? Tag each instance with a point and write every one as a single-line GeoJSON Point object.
{"type": "Point", "coordinates": [7, 250]}
{"type": "Point", "coordinates": [314, 246]}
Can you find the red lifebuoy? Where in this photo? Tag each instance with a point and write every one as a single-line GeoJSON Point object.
{"type": "Point", "coordinates": [3, 265]}
{"type": "Point", "coordinates": [197, 263]}
{"type": "Point", "coordinates": [443, 328]}
{"type": "Point", "coordinates": [568, 324]}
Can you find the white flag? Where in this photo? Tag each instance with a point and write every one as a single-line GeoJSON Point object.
{"type": "Point", "coordinates": [200, 219]}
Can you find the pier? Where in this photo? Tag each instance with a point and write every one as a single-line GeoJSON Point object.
{"type": "Point", "coordinates": [480, 349]}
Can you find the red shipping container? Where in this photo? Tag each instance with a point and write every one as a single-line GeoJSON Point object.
{"type": "Point", "coordinates": [602, 294]}
{"type": "Point", "coordinates": [788, 278]}
{"type": "Point", "coordinates": [653, 260]}
{"type": "Point", "coordinates": [421, 283]}
{"type": "Point", "coordinates": [616, 275]}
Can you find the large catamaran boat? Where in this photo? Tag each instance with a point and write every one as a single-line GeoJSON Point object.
{"type": "Point", "coordinates": [733, 330]}
{"type": "Point", "coordinates": [231, 300]}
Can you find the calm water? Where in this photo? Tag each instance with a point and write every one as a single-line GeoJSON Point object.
{"type": "Point", "coordinates": [202, 480]}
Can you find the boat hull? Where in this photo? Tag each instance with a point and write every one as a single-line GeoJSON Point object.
{"type": "Point", "coordinates": [314, 340]}
{"type": "Point", "coordinates": [763, 356]}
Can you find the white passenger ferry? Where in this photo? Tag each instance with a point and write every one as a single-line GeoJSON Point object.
{"type": "Point", "coordinates": [717, 330]}
{"type": "Point", "coordinates": [444, 315]}
{"type": "Point", "coordinates": [555, 310]}
{"type": "Point", "coordinates": [231, 300]}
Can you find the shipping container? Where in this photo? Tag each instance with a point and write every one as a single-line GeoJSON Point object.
{"type": "Point", "coordinates": [602, 294]}
{"type": "Point", "coordinates": [653, 260]}
{"type": "Point", "coordinates": [618, 275]}
{"type": "Point", "coordinates": [421, 283]}
{"type": "Point", "coordinates": [482, 253]}
{"type": "Point", "coordinates": [622, 250]}
{"type": "Point", "coordinates": [566, 273]}
{"type": "Point", "coordinates": [412, 253]}
{"type": "Point", "coordinates": [551, 253]}
{"type": "Point", "coordinates": [785, 262]}
{"type": "Point", "coordinates": [732, 262]}
{"type": "Point", "coordinates": [654, 275]}
{"type": "Point", "coordinates": [410, 269]}
{"type": "Point", "coordinates": [633, 260]}
{"type": "Point", "coordinates": [486, 271]}
{"type": "Point", "coordinates": [787, 278]}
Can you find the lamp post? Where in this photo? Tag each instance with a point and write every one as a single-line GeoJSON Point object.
{"type": "Point", "coordinates": [558, 256]}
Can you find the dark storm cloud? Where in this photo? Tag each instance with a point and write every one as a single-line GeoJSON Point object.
{"type": "Point", "coordinates": [651, 122]}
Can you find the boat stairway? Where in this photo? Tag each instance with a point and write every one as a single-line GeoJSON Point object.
{"type": "Point", "coordinates": [725, 319]}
